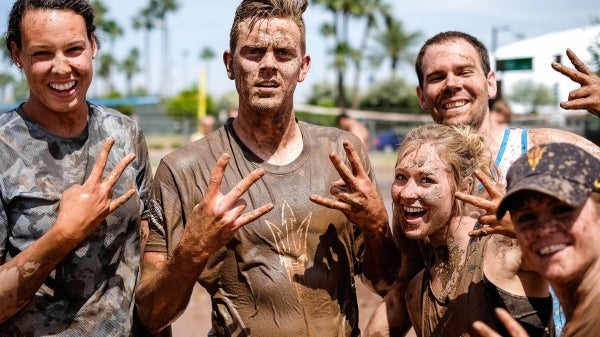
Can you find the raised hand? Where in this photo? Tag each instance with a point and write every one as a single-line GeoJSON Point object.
{"type": "Point", "coordinates": [217, 217]}
{"type": "Point", "coordinates": [491, 224]}
{"type": "Point", "coordinates": [83, 207]}
{"type": "Point", "coordinates": [588, 96]}
{"type": "Point", "coordinates": [356, 195]}
{"type": "Point", "coordinates": [512, 326]}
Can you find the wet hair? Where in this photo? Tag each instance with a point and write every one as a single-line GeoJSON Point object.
{"type": "Point", "coordinates": [461, 148]}
{"type": "Point", "coordinates": [256, 10]}
{"type": "Point", "coordinates": [449, 36]}
{"type": "Point", "coordinates": [80, 7]}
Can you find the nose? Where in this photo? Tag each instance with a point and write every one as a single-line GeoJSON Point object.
{"type": "Point", "coordinates": [409, 191]}
{"type": "Point", "coordinates": [61, 65]}
{"type": "Point", "coordinates": [268, 63]}
{"type": "Point", "coordinates": [453, 82]}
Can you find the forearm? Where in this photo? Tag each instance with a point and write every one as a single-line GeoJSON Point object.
{"type": "Point", "coordinates": [23, 275]}
{"type": "Point", "coordinates": [380, 262]}
{"type": "Point", "coordinates": [166, 287]}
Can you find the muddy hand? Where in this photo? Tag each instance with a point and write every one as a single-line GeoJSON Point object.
{"type": "Point", "coordinates": [491, 224]}
{"type": "Point", "coordinates": [357, 197]}
{"type": "Point", "coordinates": [588, 96]}
{"type": "Point", "coordinates": [217, 217]}
{"type": "Point", "coordinates": [83, 207]}
{"type": "Point", "coordinates": [512, 326]}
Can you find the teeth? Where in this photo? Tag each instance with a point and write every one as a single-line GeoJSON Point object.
{"type": "Point", "coordinates": [551, 249]}
{"type": "Point", "coordinates": [455, 105]}
{"type": "Point", "coordinates": [413, 209]}
{"type": "Point", "coordinates": [63, 86]}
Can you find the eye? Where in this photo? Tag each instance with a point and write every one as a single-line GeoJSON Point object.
{"type": "Point", "coordinates": [74, 51]}
{"type": "Point", "coordinates": [524, 220]}
{"type": "Point", "coordinates": [400, 177]}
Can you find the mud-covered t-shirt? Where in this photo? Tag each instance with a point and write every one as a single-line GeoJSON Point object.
{"type": "Point", "coordinates": [474, 299]}
{"type": "Point", "coordinates": [91, 291]}
{"type": "Point", "coordinates": [290, 272]}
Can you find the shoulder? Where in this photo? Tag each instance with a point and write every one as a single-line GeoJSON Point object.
{"type": "Point", "coordinates": [539, 136]}
{"type": "Point", "coordinates": [329, 134]}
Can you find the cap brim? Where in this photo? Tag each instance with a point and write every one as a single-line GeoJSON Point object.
{"type": "Point", "coordinates": [567, 191]}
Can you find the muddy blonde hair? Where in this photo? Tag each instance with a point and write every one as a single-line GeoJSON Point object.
{"type": "Point", "coordinates": [461, 148]}
{"type": "Point", "coordinates": [256, 10]}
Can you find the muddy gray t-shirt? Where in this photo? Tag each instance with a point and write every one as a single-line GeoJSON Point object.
{"type": "Point", "coordinates": [90, 293]}
{"type": "Point", "coordinates": [289, 273]}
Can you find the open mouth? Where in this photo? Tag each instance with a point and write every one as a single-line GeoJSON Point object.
{"type": "Point", "coordinates": [411, 213]}
{"type": "Point", "coordinates": [551, 249]}
{"type": "Point", "coordinates": [63, 87]}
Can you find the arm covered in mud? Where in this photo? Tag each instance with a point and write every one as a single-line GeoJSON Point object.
{"type": "Point", "coordinates": [167, 282]}
{"type": "Point", "coordinates": [358, 198]}
{"type": "Point", "coordinates": [588, 95]}
{"type": "Point", "coordinates": [82, 208]}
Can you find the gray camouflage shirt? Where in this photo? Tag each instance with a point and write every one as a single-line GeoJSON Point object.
{"type": "Point", "coordinates": [91, 292]}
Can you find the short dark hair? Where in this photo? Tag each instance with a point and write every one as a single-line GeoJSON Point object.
{"type": "Point", "coordinates": [450, 36]}
{"type": "Point", "coordinates": [269, 9]}
{"type": "Point", "coordinates": [80, 7]}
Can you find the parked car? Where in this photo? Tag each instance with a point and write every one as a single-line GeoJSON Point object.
{"type": "Point", "coordinates": [388, 140]}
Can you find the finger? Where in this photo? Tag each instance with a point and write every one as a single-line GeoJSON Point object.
{"type": "Point", "coordinates": [248, 217]}
{"type": "Point", "coordinates": [216, 176]}
{"type": "Point", "coordinates": [100, 164]}
{"type": "Point", "coordinates": [577, 63]}
{"type": "Point", "coordinates": [344, 172]}
{"type": "Point", "coordinates": [116, 172]}
{"type": "Point", "coordinates": [573, 74]}
{"type": "Point", "coordinates": [484, 330]}
{"type": "Point", "coordinates": [354, 158]}
{"type": "Point", "coordinates": [475, 201]}
{"type": "Point", "coordinates": [479, 232]}
{"type": "Point", "coordinates": [489, 184]}
{"type": "Point", "coordinates": [116, 203]}
{"type": "Point", "coordinates": [241, 187]}
{"type": "Point", "coordinates": [329, 203]}
{"type": "Point", "coordinates": [512, 326]}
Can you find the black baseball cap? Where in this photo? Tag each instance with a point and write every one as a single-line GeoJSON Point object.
{"type": "Point", "coordinates": [562, 170]}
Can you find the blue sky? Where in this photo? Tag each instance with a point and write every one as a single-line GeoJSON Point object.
{"type": "Point", "coordinates": [202, 23]}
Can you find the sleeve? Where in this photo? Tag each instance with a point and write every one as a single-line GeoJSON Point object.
{"type": "Point", "coordinates": [144, 173]}
{"type": "Point", "coordinates": [165, 216]}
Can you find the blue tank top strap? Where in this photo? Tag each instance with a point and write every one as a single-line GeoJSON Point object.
{"type": "Point", "coordinates": [524, 140]}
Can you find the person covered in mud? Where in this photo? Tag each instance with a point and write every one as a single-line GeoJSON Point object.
{"type": "Point", "coordinates": [465, 277]}
{"type": "Point", "coordinates": [75, 180]}
{"type": "Point", "coordinates": [233, 212]}
{"type": "Point", "coordinates": [553, 196]}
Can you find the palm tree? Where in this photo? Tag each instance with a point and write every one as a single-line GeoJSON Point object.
{"type": "Point", "coordinates": [370, 11]}
{"type": "Point", "coordinates": [394, 44]}
{"type": "Point", "coordinates": [343, 11]}
{"type": "Point", "coordinates": [108, 26]}
{"type": "Point", "coordinates": [143, 21]}
{"type": "Point", "coordinates": [5, 81]}
{"type": "Point", "coordinates": [207, 55]}
{"type": "Point", "coordinates": [107, 64]}
{"type": "Point", "coordinates": [130, 67]}
{"type": "Point", "coordinates": [158, 10]}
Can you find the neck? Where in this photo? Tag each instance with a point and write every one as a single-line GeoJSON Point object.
{"type": "Point", "coordinates": [274, 138]}
{"type": "Point", "coordinates": [68, 124]}
{"type": "Point", "coordinates": [577, 296]}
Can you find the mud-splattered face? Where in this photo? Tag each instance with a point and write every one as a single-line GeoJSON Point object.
{"type": "Point", "coordinates": [56, 57]}
{"type": "Point", "coordinates": [455, 88]}
{"type": "Point", "coordinates": [422, 192]}
{"type": "Point", "coordinates": [267, 64]}
{"type": "Point", "coordinates": [559, 241]}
